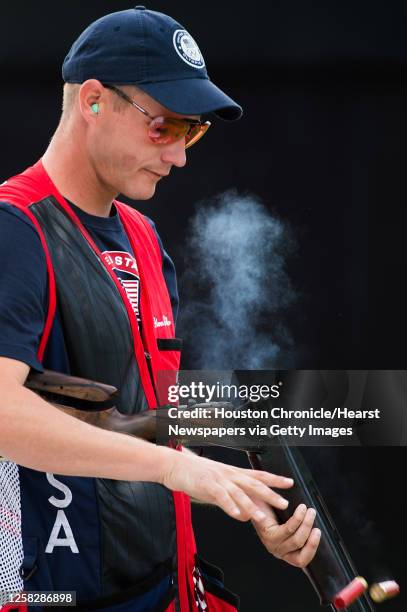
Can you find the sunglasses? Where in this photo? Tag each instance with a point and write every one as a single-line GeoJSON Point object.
{"type": "Point", "coordinates": [166, 130]}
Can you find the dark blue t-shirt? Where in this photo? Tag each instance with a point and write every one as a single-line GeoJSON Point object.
{"type": "Point", "coordinates": [24, 284]}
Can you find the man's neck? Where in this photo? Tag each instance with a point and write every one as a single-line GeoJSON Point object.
{"type": "Point", "coordinates": [70, 170]}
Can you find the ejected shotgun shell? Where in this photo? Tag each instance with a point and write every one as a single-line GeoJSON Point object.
{"type": "Point", "coordinates": [350, 593]}
{"type": "Point", "coordinates": [380, 591]}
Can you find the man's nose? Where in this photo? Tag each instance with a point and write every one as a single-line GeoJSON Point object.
{"type": "Point", "coordinates": [174, 154]}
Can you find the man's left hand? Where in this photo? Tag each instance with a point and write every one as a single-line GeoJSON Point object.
{"type": "Point", "coordinates": [295, 541]}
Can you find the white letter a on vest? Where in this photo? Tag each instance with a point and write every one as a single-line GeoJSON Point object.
{"type": "Point", "coordinates": [61, 522]}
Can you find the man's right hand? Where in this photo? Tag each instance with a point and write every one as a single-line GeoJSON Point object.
{"type": "Point", "coordinates": [233, 489]}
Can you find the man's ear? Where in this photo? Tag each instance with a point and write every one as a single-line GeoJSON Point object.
{"type": "Point", "coordinates": [91, 96]}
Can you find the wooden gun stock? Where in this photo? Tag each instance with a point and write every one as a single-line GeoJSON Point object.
{"type": "Point", "coordinates": [90, 401]}
{"type": "Point", "coordinates": [94, 403]}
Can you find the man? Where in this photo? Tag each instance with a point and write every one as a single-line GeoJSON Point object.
{"type": "Point", "coordinates": [87, 289]}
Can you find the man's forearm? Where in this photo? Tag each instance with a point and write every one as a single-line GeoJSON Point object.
{"type": "Point", "coordinates": [35, 434]}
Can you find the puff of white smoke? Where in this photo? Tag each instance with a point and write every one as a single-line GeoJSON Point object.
{"type": "Point", "coordinates": [235, 286]}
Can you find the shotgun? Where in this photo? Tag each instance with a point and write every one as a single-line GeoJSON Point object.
{"type": "Point", "coordinates": [331, 572]}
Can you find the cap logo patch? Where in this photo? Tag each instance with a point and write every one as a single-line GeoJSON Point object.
{"type": "Point", "coordinates": [187, 49]}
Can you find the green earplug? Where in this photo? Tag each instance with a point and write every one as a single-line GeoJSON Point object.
{"type": "Point", "coordinates": [95, 108]}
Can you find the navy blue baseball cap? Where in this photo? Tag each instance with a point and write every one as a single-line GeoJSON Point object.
{"type": "Point", "coordinates": [154, 52]}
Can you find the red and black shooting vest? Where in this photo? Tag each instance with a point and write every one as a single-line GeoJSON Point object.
{"type": "Point", "coordinates": [146, 527]}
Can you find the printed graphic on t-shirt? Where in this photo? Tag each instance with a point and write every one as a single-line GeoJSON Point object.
{"type": "Point", "coordinates": [125, 267]}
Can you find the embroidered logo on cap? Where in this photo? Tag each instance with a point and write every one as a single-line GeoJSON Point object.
{"type": "Point", "coordinates": [187, 49]}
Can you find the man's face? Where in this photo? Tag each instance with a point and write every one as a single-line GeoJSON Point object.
{"type": "Point", "coordinates": [125, 159]}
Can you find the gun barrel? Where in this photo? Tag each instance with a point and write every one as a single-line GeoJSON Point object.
{"type": "Point", "coordinates": [332, 569]}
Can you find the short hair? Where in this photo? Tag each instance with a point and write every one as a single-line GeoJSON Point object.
{"type": "Point", "coordinates": [70, 95]}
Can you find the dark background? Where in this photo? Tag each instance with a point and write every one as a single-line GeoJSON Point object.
{"type": "Point", "coordinates": [322, 143]}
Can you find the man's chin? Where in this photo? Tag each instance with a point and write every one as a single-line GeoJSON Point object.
{"type": "Point", "coordinates": [141, 193]}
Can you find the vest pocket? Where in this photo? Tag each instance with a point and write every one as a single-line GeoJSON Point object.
{"type": "Point", "coordinates": [217, 596]}
{"type": "Point", "coordinates": [167, 367]}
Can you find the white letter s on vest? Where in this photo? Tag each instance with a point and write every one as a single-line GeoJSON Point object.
{"type": "Point", "coordinates": [61, 521]}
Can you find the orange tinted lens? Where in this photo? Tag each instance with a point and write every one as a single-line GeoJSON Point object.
{"type": "Point", "coordinates": [195, 133]}
{"type": "Point", "coordinates": [165, 130]}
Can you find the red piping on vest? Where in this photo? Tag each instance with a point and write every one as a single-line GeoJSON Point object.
{"type": "Point", "coordinates": [186, 546]}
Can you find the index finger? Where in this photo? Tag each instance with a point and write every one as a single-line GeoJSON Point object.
{"type": "Point", "coordinates": [272, 480]}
